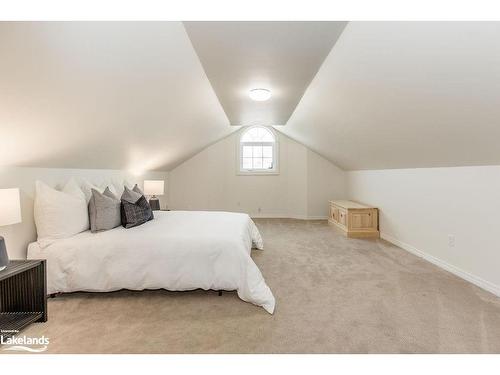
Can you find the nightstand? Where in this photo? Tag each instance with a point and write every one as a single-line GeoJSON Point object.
{"type": "Point", "coordinates": [23, 295]}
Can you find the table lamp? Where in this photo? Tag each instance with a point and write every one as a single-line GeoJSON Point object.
{"type": "Point", "coordinates": [10, 213]}
{"type": "Point", "coordinates": [154, 188]}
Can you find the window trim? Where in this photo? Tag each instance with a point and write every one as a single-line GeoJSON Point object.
{"type": "Point", "coordinates": [257, 172]}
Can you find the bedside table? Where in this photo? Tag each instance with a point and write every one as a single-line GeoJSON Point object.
{"type": "Point", "coordinates": [23, 295]}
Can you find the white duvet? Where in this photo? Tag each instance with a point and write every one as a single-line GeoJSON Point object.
{"type": "Point", "coordinates": [178, 250]}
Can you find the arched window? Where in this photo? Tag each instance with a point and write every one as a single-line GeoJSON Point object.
{"type": "Point", "coordinates": [258, 151]}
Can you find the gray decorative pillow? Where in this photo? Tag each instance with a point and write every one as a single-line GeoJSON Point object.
{"type": "Point", "coordinates": [107, 192]}
{"type": "Point", "coordinates": [104, 211]}
{"type": "Point", "coordinates": [135, 209]}
{"type": "Point", "coordinates": [137, 189]}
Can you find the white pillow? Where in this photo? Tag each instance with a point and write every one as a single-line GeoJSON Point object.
{"type": "Point", "coordinates": [87, 187]}
{"type": "Point", "coordinates": [59, 214]}
{"type": "Point", "coordinates": [120, 187]}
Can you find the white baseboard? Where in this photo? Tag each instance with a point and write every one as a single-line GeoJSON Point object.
{"type": "Point", "coordinates": [316, 218]}
{"type": "Point", "coordinates": [287, 216]}
{"type": "Point", "coordinates": [483, 284]}
{"type": "Point", "coordinates": [269, 216]}
{"type": "Point", "coordinates": [305, 217]}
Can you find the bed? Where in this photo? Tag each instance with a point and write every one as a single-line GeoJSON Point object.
{"type": "Point", "coordinates": [177, 251]}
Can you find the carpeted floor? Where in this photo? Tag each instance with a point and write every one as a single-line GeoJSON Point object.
{"type": "Point", "coordinates": [334, 295]}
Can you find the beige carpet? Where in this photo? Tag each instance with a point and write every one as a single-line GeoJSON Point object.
{"type": "Point", "coordinates": [334, 295]}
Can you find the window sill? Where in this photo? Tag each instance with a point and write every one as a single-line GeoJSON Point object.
{"type": "Point", "coordinates": [256, 173]}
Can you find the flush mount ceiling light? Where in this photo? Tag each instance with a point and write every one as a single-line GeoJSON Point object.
{"type": "Point", "coordinates": [260, 95]}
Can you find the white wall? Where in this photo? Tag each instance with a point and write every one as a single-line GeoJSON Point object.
{"type": "Point", "coordinates": [18, 236]}
{"type": "Point", "coordinates": [420, 208]}
{"type": "Point", "coordinates": [209, 181]}
{"type": "Point", "coordinates": [325, 181]}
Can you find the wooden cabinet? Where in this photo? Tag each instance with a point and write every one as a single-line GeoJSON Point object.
{"type": "Point", "coordinates": [354, 219]}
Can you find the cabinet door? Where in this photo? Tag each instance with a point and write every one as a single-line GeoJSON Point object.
{"type": "Point", "coordinates": [342, 216]}
{"type": "Point", "coordinates": [334, 213]}
{"type": "Point", "coordinates": [362, 220]}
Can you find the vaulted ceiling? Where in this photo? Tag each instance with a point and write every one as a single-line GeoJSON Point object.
{"type": "Point", "coordinates": [281, 56]}
{"type": "Point", "coordinates": [405, 94]}
{"type": "Point", "coordinates": [148, 95]}
{"type": "Point", "coordinates": [119, 95]}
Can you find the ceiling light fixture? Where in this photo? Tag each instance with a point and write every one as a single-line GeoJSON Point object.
{"type": "Point", "coordinates": [260, 95]}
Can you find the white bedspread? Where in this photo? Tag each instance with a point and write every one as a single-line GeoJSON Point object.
{"type": "Point", "coordinates": [178, 250]}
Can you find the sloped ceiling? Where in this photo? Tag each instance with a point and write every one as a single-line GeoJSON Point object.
{"type": "Point", "coordinates": [280, 56]}
{"type": "Point", "coordinates": [134, 95]}
{"type": "Point", "coordinates": [405, 94]}
{"type": "Point", "coordinates": [124, 95]}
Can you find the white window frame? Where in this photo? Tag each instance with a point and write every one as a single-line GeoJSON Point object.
{"type": "Point", "coordinates": [275, 148]}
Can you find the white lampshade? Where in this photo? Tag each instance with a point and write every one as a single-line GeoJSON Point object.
{"type": "Point", "coordinates": [154, 187]}
{"type": "Point", "coordinates": [10, 207]}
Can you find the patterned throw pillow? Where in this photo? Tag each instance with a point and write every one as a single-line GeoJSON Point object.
{"type": "Point", "coordinates": [135, 209]}
{"type": "Point", "coordinates": [138, 190]}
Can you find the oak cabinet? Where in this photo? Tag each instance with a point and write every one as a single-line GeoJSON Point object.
{"type": "Point", "coordinates": [354, 219]}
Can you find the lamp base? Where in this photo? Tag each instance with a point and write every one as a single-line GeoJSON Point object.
{"type": "Point", "coordinates": [4, 257]}
{"type": "Point", "coordinates": [154, 203]}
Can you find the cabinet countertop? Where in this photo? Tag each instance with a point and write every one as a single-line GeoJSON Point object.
{"type": "Point", "coordinates": [350, 204]}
